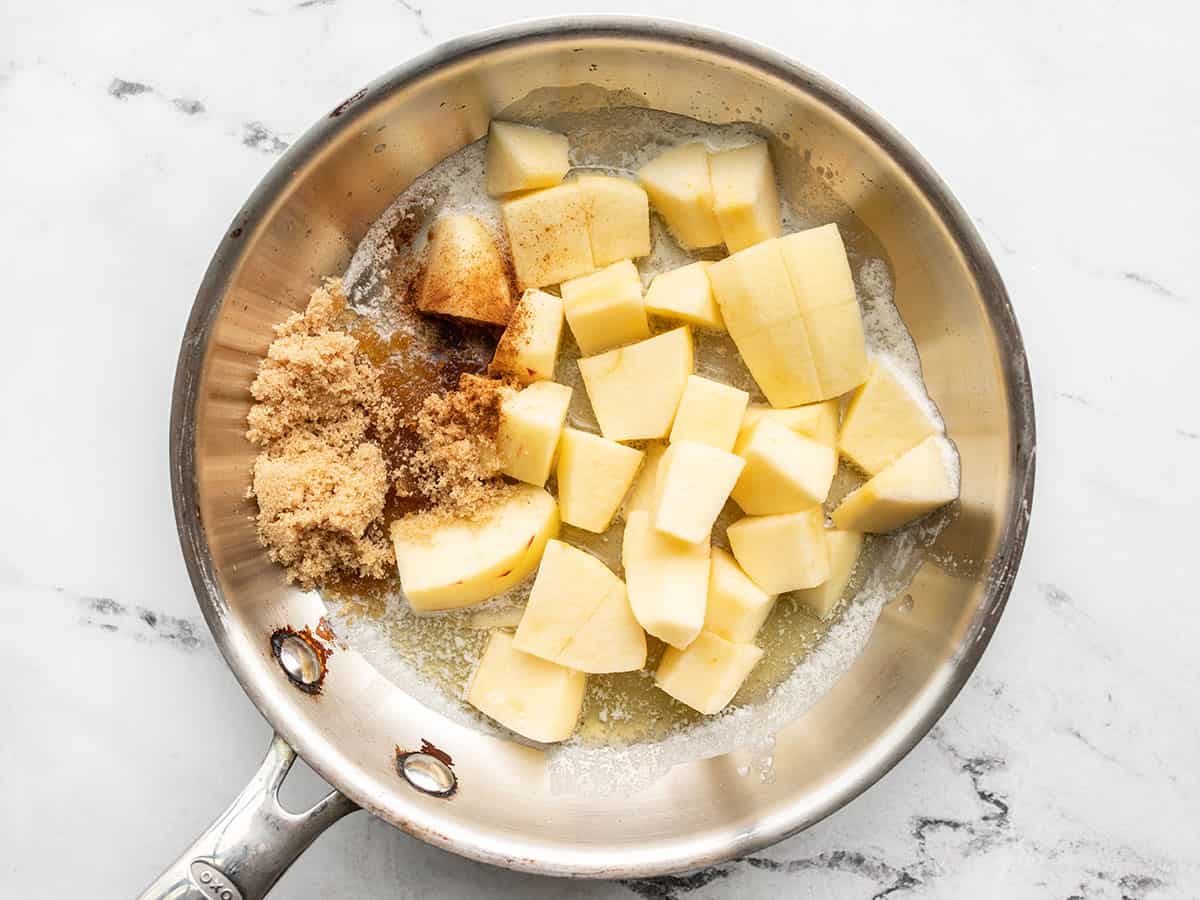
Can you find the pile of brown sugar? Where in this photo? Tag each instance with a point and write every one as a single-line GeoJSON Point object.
{"type": "Point", "coordinates": [320, 477]}
{"type": "Point", "coordinates": [334, 448]}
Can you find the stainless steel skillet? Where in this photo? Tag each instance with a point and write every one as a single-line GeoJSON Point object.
{"type": "Point", "coordinates": [472, 793]}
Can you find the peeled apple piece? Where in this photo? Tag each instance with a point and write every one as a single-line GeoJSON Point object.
{"type": "Point", "coordinates": [548, 235]}
{"type": "Point", "coordinates": [680, 188]}
{"type": "Point", "coordinates": [693, 483]}
{"type": "Point", "coordinates": [528, 348]}
{"type": "Point", "coordinates": [594, 475]}
{"type": "Point", "coordinates": [708, 673]}
{"type": "Point", "coordinates": [685, 294]}
{"type": "Point", "coordinates": [920, 481]}
{"type": "Point", "coordinates": [667, 580]}
{"type": "Point", "coordinates": [578, 615]}
{"type": "Point", "coordinates": [818, 267]}
{"type": "Point", "coordinates": [530, 422]}
{"type": "Point", "coordinates": [884, 419]}
{"type": "Point", "coordinates": [745, 199]}
{"type": "Point", "coordinates": [635, 390]}
{"type": "Point", "coordinates": [642, 495]}
{"type": "Point", "coordinates": [709, 413]}
{"type": "Point", "coordinates": [782, 553]}
{"type": "Point", "coordinates": [618, 217]}
{"type": "Point", "coordinates": [785, 471]}
{"type": "Point", "coordinates": [464, 275]}
{"type": "Point", "coordinates": [537, 699]}
{"type": "Point", "coordinates": [605, 309]}
{"type": "Point", "coordinates": [521, 158]}
{"type": "Point", "coordinates": [844, 547]}
{"type": "Point", "coordinates": [737, 607]}
{"type": "Point", "coordinates": [818, 421]}
{"type": "Point", "coordinates": [450, 564]}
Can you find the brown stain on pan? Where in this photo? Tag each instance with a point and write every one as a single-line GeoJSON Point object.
{"type": "Point", "coordinates": [321, 652]}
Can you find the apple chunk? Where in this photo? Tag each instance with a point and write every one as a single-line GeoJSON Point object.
{"type": "Point", "coordinates": [618, 217]}
{"type": "Point", "coordinates": [782, 553]}
{"type": "Point", "coordinates": [578, 615]}
{"type": "Point", "coordinates": [635, 390]}
{"type": "Point", "coordinates": [548, 235]}
{"type": "Point", "coordinates": [693, 483]}
{"type": "Point", "coordinates": [818, 421]}
{"type": "Point", "coordinates": [844, 547]}
{"type": "Point", "coordinates": [667, 580]}
{"type": "Point", "coordinates": [642, 494]}
{"type": "Point", "coordinates": [464, 275]}
{"type": "Point", "coordinates": [709, 413]}
{"type": "Point", "coordinates": [745, 199]}
{"type": "Point", "coordinates": [530, 423]}
{"type": "Point", "coordinates": [708, 673]}
{"type": "Point", "coordinates": [537, 699]}
{"type": "Point", "coordinates": [685, 294]}
{"type": "Point", "coordinates": [528, 348]}
{"type": "Point", "coordinates": [680, 188]}
{"type": "Point", "coordinates": [920, 481]}
{"type": "Point", "coordinates": [594, 475]}
{"type": "Point", "coordinates": [785, 471]}
{"type": "Point", "coordinates": [450, 564]}
{"type": "Point", "coordinates": [884, 419]}
{"type": "Point", "coordinates": [521, 158]}
{"type": "Point", "coordinates": [737, 607]}
{"type": "Point", "coordinates": [605, 309]}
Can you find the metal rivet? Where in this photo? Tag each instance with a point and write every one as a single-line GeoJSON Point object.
{"type": "Point", "coordinates": [427, 774]}
{"type": "Point", "coordinates": [299, 660]}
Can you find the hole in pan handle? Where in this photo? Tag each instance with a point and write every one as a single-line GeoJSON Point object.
{"type": "Point", "coordinates": [243, 853]}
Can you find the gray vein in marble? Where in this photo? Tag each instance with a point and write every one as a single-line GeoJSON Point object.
{"type": "Point", "coordinates": [1054, 595]}
{"type": "Point", "coordinates": [304, 4]}
{"type": "Point", "coordinates": [996, 239]}
{"type": "Point", "coordinates": [121, 89]}
{"type": "Point", "coordinates": [1083, 739]}
{"type": "Point", "coordinates": [1075, 398]}
{"type": "Point", "coordinates": [140, 623]}
{"type": "Point", "coordinates": [418, 14]}
{"type": "Point", "coordinates": [187, 106]}
{"type": "Point", "coordinates": [257, 136]}
{"type": "Point", "coordinates": [1190, 435]}
{"type": "Point", "coordinates": [1155, 287]}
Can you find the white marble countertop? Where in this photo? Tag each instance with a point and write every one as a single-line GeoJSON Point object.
{"type": "Point", "coordinates": [129, 135]}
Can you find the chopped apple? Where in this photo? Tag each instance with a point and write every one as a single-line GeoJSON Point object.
{"type": "Point", "coordinates": [667, 580]}
{"type": "Point", "coordinates": [709, 413]}
{"type": "Point", "coordinates": [818, 421]}
{"type": "Point", "coordinates": [785, 471]}
{"type": "Point", "coordinates": [548, 235]}
{"type": "Point", "coordinates": [708, 673]}
{"type": "Point", "coordinates": [782, 553]}
{"type": "Point", "coordinates": [884, 419]}
{"type": "Point", "coordinates": [839, 350]}
{"type": "Point", "coordinates": [844, 547]}
{"type": "Point", "coordinates": [737, 607]}
{"type": "Point", "coordinates": [530, 422]}
{"type": "Point", "coordinates": [817, 265]}
{"type": "Point", "coordinates": [753, 289]}
{"type": "Point", "coordinates": [635, 390]}
{"type": "Point", "coordinates": [693, 483]}
{"type": "Point", "coordinates": [578, 615]}
{"type": "Point", "coordinates": [522, 158]}
{"type": "Point", "coordinates": [594, 475]}
{"type": "Point", "coordinates": [685, 294]}
{"type": "Point", "coordinates": [464, 275]}
{"type": "Point", "coordinates": [618, 217]}
{"type": "Point", "coordinates": [679, 185]}
{"type": "Point", "coordinates": [447, 565]}
{"type": "Point", "coordinates": [605, 309]}
{"type": "Point", "coordinates": [916, 484]}
{"type": "Point", "coordinates": [745, 199]}
{"type": "Point", "coordinates": [537, 699]}
{"type": "Point", "coordinates": [642, 495]}
{"type": "Point", "coordinates": [528, 348]}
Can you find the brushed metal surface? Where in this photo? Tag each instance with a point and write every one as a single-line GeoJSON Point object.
{"type": "Point", "coordinates": [302, 223]}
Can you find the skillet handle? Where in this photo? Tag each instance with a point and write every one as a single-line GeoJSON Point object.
{"type": "Point", "coordinates": [250, 845]}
